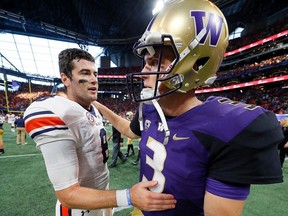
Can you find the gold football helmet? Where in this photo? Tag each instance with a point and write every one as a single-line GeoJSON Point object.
{"type": "Point", "coordinates": [198, 33]}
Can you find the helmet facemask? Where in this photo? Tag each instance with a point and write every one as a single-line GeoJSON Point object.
{"type": "Point", "coordinates": [154, 44]}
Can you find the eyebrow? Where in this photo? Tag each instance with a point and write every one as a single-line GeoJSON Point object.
{"type": "Point", "coordinates": [150, 58]}
{"type": "Point", "coordinates": [85, 69]}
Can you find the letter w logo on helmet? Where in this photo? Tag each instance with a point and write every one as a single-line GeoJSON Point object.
{"type": "Point", "coordinates": [213, 26]}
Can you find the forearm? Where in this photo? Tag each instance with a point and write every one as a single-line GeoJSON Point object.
{"type": "Point", "coordinates": [86, 198]}
{"type": "Point", "coordinates": [121, 124]}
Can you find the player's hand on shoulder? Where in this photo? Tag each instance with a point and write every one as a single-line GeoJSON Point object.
{"type": "Point", "coordinates": [144, 199]}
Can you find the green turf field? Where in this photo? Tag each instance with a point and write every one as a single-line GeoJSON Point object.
{"type": "Point", "coordinates": [26, 191]}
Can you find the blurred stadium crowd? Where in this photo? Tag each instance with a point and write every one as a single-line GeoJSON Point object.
{"type": "Point", "coordinates": [257, 63]}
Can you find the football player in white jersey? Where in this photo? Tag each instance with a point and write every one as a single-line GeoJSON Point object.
{"type": "Point", "coordinates": [70, 134]}
{"type": "Point", "coordinates": [11, 121]}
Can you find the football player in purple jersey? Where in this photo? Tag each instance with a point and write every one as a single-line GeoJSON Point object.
{"type": "Point", "coordinates": [207, 154]}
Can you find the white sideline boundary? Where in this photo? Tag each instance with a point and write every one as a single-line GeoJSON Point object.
{"type": "Point", "coordinates": [17, 156]}
{"type": "Point", "coordinates": [28, 155]}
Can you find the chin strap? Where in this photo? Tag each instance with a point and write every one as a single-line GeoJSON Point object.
{"type": "Point", "coordinates": [140, 118]}
{"type": "Point", "coordinates": [162, 117]}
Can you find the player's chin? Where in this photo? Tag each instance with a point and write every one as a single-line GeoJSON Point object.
{"type": "Point", "coordinates": [93, 97]}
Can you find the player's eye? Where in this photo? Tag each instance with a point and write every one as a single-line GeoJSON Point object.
{"type": "Point", "coordinates": [154, 63]}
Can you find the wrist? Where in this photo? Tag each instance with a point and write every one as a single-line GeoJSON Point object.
{"type": "Point", "coordinates": [123, 198]}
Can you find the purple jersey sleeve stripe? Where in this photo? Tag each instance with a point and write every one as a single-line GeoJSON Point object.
{"type": "Point", "coordinates": [230, 191]}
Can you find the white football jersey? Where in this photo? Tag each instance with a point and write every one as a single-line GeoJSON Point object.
{"type": "Point", "coordinates": [10, 118]}
{"type": "Point", "coordinates": [57, 118]}
{"type": "Point", "coordinates": [2, 119]}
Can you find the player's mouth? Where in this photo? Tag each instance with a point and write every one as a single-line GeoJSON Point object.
{"type": "Point", "coordinates": [93, 90]}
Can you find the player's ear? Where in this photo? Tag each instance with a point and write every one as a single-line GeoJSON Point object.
{"type": "Point", "coordinates": [65, 79]}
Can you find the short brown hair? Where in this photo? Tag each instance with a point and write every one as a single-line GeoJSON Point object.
{"type": "Point", "coordinates": [66, 57]}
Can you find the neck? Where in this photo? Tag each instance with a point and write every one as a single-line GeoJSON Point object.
{"type": "Point", "coordinates": [177, 103]}
{"type": "Point", "coordinates": [86, 105]}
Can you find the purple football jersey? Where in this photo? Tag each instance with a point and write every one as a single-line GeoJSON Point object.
{"type": "Point", "coordinates": [220, 139]}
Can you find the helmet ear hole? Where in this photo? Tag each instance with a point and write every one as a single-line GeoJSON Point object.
{"type": "Point", "coordinates": [200, 63]}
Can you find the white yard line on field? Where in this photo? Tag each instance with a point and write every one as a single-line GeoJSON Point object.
{"type": "Point", "coordinates": [16, 156]}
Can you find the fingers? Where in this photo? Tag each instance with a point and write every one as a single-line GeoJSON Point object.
{"type": "Point", "coordinates": [161, 207]}
{"type": "Point", "coordinates": [146, 200]}
{"type": "Point", "coordinates": [148, 184]}
{"type": "Point", "coordinates": [161, 196]}
{"type": "Point", "coordinates": [154, 204]}
{"type": "Point", "coordinates": [151, 203]}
